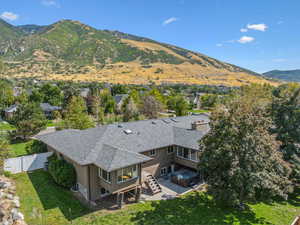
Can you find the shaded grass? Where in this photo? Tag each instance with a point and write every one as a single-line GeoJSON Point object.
{"type": "Point", "coordinates": [43, 202]}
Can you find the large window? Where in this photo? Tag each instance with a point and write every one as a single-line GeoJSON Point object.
{"type": "Point", "coordinates": [127, 173]}
{"type": "Point", "coordinates": [104, 175]}
{"type": "Point", "coordinates": [152, 152]}
{"type": "Point", "coordinates": [170, 149]}
{"type": "Point", "coordinates": [186, 153]}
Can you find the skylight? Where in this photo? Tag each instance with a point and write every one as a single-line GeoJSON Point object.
{"type": "Point", "coordinates": [127, 131]}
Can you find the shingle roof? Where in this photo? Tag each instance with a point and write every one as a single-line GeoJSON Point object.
{"type": "Point", "coordinates": [12, 108]}
{"type": "Point", "coordinates": [110, 147]}
{"type": "Point", "coordinates": [119, 98]}
{"type": "Point", "coordinates": [46, 107]}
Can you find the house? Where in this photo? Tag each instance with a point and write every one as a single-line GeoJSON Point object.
{"type": "Point", "coordinates": [10, 111]}
{"type": "Point", "coordinates": [49, 109]}
{"type": "Point", "coordinates": [197, 100]}
{"type": "Point", "coordinates": [119, 158]}
{"type": "Point", "coordinates": [119, 99]}
{"type": "Point", "coordinates": [84, 92]}
{"type": "Point", "coordinates": [17, 91]}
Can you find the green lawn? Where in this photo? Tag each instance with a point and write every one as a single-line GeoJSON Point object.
{"type": "Point", "coordinates": [18, 149]}
{"type": "Point", "coordinates": [199, 111]}
{"type": "Point", "coordinates": [6, 126]}
{"type": "Point", "coordinates": [45, 203]}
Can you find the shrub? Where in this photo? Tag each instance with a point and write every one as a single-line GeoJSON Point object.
{"type": "Point", "coordinates": [63, 173]}
{"type": "Point", "coordinates": [33, 147]}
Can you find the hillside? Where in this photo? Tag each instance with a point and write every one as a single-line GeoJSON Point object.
{"type": "Point", "coordinates": [286, 75]}
{"type": "Point", "coordinates": [70, 50]}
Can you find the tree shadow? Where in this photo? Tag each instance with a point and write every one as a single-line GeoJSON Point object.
{"type": "Point", "coordinates": [53, 196]}
{"type": "Point", "coordinates": [197, 209]}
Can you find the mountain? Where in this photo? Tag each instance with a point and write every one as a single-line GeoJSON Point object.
{"type": "Point", "coordinates": [286, 75]}
{"type": "Point", "coordinates": [70, 50]}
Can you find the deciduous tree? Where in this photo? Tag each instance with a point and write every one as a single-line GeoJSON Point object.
{"type": "Point", "coordinates": [240, 159]}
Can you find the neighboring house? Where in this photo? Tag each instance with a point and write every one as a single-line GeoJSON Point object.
{"type": "Point", "coordinates": [118, 158]}
{"type": "Point", "coordinates": [49, 109]}
{"type": "Point", "coordinates": [84, 92]}
{"type": "Point", "coordinates": [10, 111]}
{"type": "Point", "coordinates": [17, 91]}
{"type": "Point", "coordinates": [119, 99]}
{"type": "Point", "coordinates": [197, 100]}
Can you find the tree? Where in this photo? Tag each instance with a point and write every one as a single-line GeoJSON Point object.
{"type": "Point", "coordinates": [179, 104]}
{"type": "Point", "coordinates": [209, 101]}
{"type": "Point", "coordinates": [240, 159]}
{"type": "Point", "coordinates": [2, 67]}
{"type": "Point", "coordinates": [6, 94]}
{"type": "Point", "coordinates": [130, 110]}
{"type": "Point", "coordinates": [4, 148]}
{"type": "Point", "coordinates": [286, 116]}
{"type": "Point", "coordinates": [29, 120]}
{"type": "Point", "coordinates": [76, 116]}
{"type": "Point", "coordinates": [51, 94]}
{"type": "Point", "coordinates": [150, 107]}
{"type": "Point", "coordinates": [107, 101]}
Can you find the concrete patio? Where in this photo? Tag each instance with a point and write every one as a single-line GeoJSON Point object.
{"type": "Point", "coordinates": [169, 190]}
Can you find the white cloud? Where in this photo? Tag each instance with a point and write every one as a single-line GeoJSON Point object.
{"type": "Point", "coordinates": [243, 30]}
{"type": "Point", "coordinates": [170, 20]}
{"type": "Point", "coordinates": [246, 39]}
{"type": "Point", "coordinates": [9, 16]}
{"type": "Point", "coordinates": [49, 3]}
{"type": "Point", "coordinates": [260, 27]}
{"type": "Point", "coordinates": [219, 45]}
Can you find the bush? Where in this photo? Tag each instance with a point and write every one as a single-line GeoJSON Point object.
{"type": "Point", "coordinates": [63, 173]}
{"type": "Point", "coordinates": [33, 147]}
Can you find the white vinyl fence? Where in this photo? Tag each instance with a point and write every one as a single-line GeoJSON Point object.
{"type": "Point", "coordinates": [26, 163]}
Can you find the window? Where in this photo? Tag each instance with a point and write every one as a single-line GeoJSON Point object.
{"type": "Point", "coordinates": [179, 151]}
{"type": "Point", "coordinates": [170, 149]}
{"type": "Point", "coordinates": [194, 155]}
{"type": "Point", "coordinates": [163, 171]}
{"type": "Point", "coordinates": [104, 175]}
{"type": "Point", "coordinates": [127, 173]}
{"type": "Point", "coordinates": [152, 153]}
{"type": "Point", "coordinates": [186, 153]}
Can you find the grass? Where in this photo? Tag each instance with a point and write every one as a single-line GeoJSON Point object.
{"type": "Point", "coordinates": [18, 149]}
{"type": "Point", "coordinates": [199, 111]}
{"type": "Point", "coordinates": [6, 126]}
{"type": "Point", "coordinates": [45, 203]}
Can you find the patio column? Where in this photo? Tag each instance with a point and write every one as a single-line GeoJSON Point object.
{"type": "Point", "coordinates": [138, 194]}
{"type": "Point", "coordinates": [120, 199]}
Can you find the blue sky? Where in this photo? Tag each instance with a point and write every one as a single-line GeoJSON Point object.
{"type": "Point", "coordinates": [260, 35]}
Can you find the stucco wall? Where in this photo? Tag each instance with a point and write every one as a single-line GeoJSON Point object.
{"type": "Point", "coordinates": [160, 159]}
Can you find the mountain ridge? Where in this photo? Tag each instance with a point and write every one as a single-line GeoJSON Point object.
{"type": "Point", "coordinates": [286, 75]}
{"type": "Point", "coordinates": [69, 49]}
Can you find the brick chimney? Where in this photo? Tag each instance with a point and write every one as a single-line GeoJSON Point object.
{"type": "Point", "coordinates": [200, 125]}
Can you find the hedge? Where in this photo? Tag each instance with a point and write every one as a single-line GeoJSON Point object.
{"type": "Point", "coordinates": [63, 173]}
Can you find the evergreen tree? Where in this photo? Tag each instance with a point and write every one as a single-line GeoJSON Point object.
{"type": "Point", "coordinates": [76, 116]}
{"type": "Point", "coordinates": [286, 115]}
{"type": "Point", "coordinates": [6, 94]}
